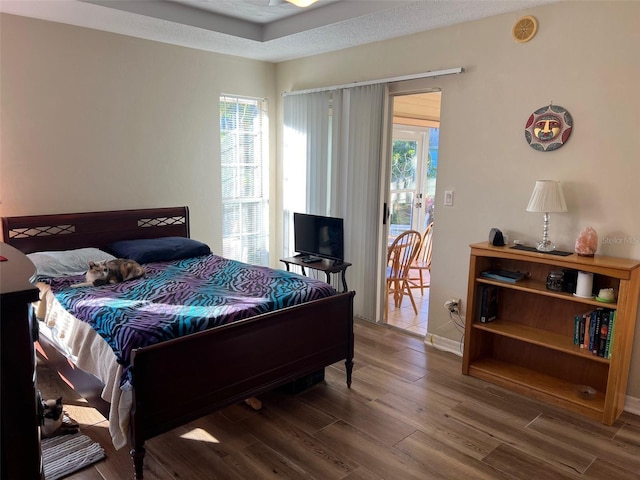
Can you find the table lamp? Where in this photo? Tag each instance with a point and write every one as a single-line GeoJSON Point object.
{"type": "Point", "coordinates": [547, 198]}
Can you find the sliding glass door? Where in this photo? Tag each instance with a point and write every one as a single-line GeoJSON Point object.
{"type": "Point", "coordinates": [412, 186]}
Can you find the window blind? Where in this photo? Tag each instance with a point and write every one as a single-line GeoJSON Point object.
{"type": "Point", "coordinates": [244, 167]}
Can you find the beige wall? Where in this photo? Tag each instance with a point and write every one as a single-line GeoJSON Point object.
{"type": "Point", "coordinates": [93, 121]}
{"type": "Point", "coordinates": [98, 121]}
{"type": "Point", "coordinates": [583, 58]}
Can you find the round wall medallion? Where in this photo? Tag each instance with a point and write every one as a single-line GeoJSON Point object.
{"type": "Point", "coordinates": [548, 128]}
{"type": "Point", "coordinates": [524, 29]}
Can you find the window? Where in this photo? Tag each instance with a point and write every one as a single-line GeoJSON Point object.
{"type": "Point", "coordinates": [414, 164]}
{"type": "Point", "coordinates": [244, 168]}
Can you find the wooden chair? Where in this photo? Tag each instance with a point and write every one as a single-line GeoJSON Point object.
{"type": "Point", "coordinates": [422, 262]}
{"type": "Point", "coordinates": [400, 255]}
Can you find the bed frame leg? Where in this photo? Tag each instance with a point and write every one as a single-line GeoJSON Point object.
{"type": "Point", "coordinates": [349, 365]}
{"type": "Point", "coordinates": [254, 403]}
{"type": "Point", "coordinates": [137, 455]}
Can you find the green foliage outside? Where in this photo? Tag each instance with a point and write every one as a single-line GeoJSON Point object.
{"type": "Point", "coordinates": [403, 167]}
{"type": "Point", "coordinates": [403, 164]}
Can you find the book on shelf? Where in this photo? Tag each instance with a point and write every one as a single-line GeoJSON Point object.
{"type": "Point", "coordinates": [508, 276]}
{"type": "Point", "coordinates": [596, 320]}
{"type": "Point", "coordinates": [610, 333]}
{"type": "Point", "coordinates": [604, 333]}
{"type": "Point", "coordinates": [585, 339]}
{"type": "Point", "coordinates": [594, 331]}
{"type": "Point", "coordinates": [580, 323]}
{"type": "Point", "coordinates": [488, 303]}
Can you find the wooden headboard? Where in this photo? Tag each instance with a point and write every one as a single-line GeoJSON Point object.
{"type": "Point", "coordinates": [37, 233]}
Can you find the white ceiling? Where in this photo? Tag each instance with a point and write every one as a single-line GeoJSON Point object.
{"type": "Point", "coordinates": [255, 29]}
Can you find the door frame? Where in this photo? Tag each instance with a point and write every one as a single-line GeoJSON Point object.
{"type": "Point", "coordinates": [410, 87]}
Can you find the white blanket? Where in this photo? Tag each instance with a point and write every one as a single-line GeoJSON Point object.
{"type": "Point", "coordinates": [90, 352]}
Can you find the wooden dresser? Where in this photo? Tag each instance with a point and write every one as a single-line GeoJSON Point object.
{"type": "Point", "coordinates": [21, 454]}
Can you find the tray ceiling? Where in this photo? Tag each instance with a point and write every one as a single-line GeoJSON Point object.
{"type": "Point", "coordinates": [269, 30]}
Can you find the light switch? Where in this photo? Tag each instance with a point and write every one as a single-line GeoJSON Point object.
{"type": "Point", "coordinates": [448, 198]}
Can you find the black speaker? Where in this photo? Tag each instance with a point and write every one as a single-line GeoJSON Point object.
{"type": "Point", "coordinates": [495, 238]}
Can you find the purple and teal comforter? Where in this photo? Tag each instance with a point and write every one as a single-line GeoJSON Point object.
{"type": "Point", "coordinates": [180, 297]}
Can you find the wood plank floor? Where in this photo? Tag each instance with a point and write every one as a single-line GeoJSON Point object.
{"type": "Point", "coordinates": [410, 414]}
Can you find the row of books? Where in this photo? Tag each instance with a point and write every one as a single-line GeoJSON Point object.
{"type": "Point", "coordinates": [594, 331]}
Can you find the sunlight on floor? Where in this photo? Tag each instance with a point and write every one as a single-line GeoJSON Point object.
{"type": "Point", "coordinates": [84, 415]}
{"type": "Point", "coordinates": [405, 318]}
{"type": "Point", "coordinates": [200, 435]}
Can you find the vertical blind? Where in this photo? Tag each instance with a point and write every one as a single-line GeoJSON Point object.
{"type": "Point", "coordinates": [244, 168]}
{"type": "Point", "coordinates": [331, 166]}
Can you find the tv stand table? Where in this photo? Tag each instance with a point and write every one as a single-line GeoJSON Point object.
{"type": "Point", "coordinates": [324, 265]}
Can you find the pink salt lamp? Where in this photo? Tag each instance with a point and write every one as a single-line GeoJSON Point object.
{"type": "Point", "coordinates": [587, 242]}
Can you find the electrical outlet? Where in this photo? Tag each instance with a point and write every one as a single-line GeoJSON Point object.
{"type": "Point", "coordinates": [453, 305]}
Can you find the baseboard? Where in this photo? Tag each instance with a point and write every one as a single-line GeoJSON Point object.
{"type": "Point", "coordinates": [444, 344]}
{"type": "Point", "coordinates": [631, 404]}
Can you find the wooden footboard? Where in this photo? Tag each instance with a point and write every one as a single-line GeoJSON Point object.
{"type": "Point", "coordinates": [228, 364]}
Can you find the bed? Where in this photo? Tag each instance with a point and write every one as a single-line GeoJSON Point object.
{"type": "Point", "coordinates": [258, 352]}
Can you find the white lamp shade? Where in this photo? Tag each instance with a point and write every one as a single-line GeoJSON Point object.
{"type": "Point", "coordinates": [547, 197]}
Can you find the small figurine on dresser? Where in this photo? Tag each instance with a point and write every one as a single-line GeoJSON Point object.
{"type": "Point", "coordinates": [587, 242]}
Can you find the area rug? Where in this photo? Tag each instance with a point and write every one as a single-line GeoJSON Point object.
{"type": "Point", "coordinates": [65, 454]}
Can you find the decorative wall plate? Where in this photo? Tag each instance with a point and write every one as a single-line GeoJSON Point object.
{"type": "Point", "coordinates": [524, 29]}
{"type": "Point", "coordinates": [548, 128]}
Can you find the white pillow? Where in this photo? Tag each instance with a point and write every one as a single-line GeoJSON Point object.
{"type": "Point", "coordinates": [65, 263]}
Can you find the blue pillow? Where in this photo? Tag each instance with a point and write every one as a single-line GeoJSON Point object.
{"type": "Point", "coordinates": [159, 249]}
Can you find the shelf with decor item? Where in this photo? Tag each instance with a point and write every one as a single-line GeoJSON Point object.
{"type": "Point", "coordinates": [530, 345]}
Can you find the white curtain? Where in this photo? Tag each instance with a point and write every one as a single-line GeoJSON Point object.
{"type": "Point", "coordinates": [331, 166]}
{"type": "Point", "coordinates": [305, 137]}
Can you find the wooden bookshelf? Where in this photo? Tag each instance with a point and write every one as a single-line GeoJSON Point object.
{"type": "Point", "coordinates": [530, 348]}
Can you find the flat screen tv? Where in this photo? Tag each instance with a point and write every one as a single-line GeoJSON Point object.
{"type": "Point", "coordinates": [318, 236]}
